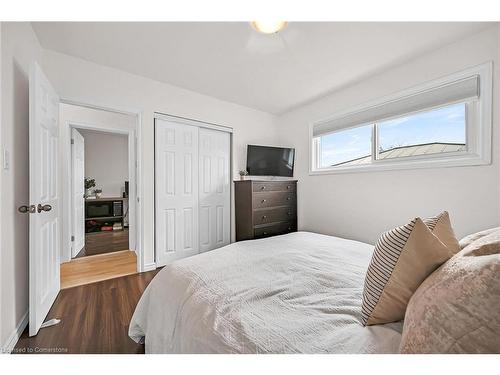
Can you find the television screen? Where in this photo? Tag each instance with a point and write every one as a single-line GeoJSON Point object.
{"type": "Point", "coordinates": [270, 161]}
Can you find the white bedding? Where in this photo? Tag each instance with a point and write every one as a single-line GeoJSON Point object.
{"type": "Point", "coordinates": [296, 293]}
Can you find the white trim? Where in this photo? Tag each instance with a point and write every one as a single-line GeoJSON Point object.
{"type": "Point", "coordinates": [109, 108]}
{"type": "Point", "coordinates": [478, 130]}
{"type": "Point", "coordinates": [15, 335]}
{"type": "Point", "coordinates": [139, 248]}
{"type": "Point", "coordinates": [192, 122]}
{"type": "Point", "coordinates": [149, 267]}
{"type": "Point", "coordinates": [135, 172]}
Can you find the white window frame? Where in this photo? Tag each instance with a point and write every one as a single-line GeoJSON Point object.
{"type": "Point", "coordinates": [478, 130]}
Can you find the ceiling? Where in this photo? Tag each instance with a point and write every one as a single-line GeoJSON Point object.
{"type": "Point", "coordinates": [231, 61]}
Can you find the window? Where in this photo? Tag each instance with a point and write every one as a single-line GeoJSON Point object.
{"type": "Point", "coordinates": [346, 146]}
{"type": "Point", "coordinates": [444, 123]}
{"type": "Point", "coordinates": [437, 131]}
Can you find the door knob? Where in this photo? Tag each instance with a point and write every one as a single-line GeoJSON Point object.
{"type": "Point", "coordinates": [45, 207]}
{"type": "Point", "coordinates": [27, 209]}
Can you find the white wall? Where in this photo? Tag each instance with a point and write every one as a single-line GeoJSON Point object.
{"type": "Point", "coordinates": [19, 49]}
{"type": "Point", "coordinates": [85, 82]}
{"type": "Point", "coordinates": [362, 205]}
{"type": "Point", "coordinates": [106, 161]}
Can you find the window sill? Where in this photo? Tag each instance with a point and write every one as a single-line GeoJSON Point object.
{"type": "Point", "coordinates": [465, 160]}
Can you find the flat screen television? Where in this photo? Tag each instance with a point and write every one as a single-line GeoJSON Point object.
{"type": "Point", "coordinates": [270, 161]}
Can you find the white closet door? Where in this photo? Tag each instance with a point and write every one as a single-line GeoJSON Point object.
{"type": "Point", "coordinates": [214, 189]}
{"type": "Point", "coordinates": [176, 191]}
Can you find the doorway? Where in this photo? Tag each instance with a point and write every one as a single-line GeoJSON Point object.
{"type": "Point", "coordinates": [100, 150]}
{"type": "Point", "coordinates": [100, 175]}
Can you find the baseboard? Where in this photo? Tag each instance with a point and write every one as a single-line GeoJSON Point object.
{"type": "Point", "coordinates": [149, 267]}
{"type": "Point", "coordinates": [16, 334]}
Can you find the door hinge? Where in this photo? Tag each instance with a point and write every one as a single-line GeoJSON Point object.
{"type": "Point", "coordinates": [72, 238]}
{"type": "Point", "coordinates": [72, 141]}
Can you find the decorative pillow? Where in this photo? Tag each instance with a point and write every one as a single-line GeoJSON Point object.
{"type": "Point", "coordinates": [457, 308]}
{"type": "Point", "coordinates": [440, 226]}
{"type": "Point", "coordinates": [467, 240]}
{"type": "Point", "coordinates": [402, 259]}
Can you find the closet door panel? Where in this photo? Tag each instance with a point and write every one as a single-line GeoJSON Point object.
{"type": "Point", "coordinates": [176, 191]}
{"type": "Point", "coordinates": [214, 189]}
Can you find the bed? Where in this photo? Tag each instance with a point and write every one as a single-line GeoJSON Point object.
{"type": "Point", "coordinates": [295, 293]}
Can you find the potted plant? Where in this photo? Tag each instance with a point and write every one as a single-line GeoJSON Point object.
{"type": "Point", "coordinates": [89, 184]}
{"type": "Point", "coordinates": [243, 173]}
{"type": "Point", "coordinates": [98, 193]}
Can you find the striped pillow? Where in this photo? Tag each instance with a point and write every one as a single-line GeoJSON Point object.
{"type": "Point", "coordinates": [402, 259]}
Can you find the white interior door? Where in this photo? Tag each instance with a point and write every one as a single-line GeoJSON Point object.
{"type": "Point", "coordinates": [214, 189]}
{"type": "Point", "coordinates": [78, 186]}
{"type": "Point", "coordinates": [176, 191]}
{"type": "Point", "coordinates": [44, 283]}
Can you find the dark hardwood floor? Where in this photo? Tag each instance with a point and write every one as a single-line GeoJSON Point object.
{"type": "Point", "coordinates": [94, 319]}
{"type": "Point", "coordinates": [104, 242]}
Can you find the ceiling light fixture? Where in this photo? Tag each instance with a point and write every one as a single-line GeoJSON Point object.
{"type": "Point", "coordinates": [269, 27]}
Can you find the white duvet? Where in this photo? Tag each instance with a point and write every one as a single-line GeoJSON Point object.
{"type": "Point", "coordinates": [296, 293]}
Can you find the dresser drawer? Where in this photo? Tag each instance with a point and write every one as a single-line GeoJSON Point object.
{"type": "Point", "coordinates": [273, 215]}
{"type": "Point", "coordinates": [273, 199]}
{"type": "Point", "coordinates": [274, 186]}
{"type": "Point", "coordinates": [274, 229]}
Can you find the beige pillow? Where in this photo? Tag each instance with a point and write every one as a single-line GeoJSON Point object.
{"type": "Point", "coordinates": [440, 226]}
{"type": "Point", "coordinates": [457, 308]}
{"type": "Point", "coordinates": [402, 259]}
{"type": "Point", "coordinates": [467, 240]}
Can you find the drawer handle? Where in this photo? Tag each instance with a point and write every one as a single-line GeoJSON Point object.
{"type": "Point", "coordinates": [264, 233]}
{"type": "Point", "coordinates": [263, 201]}
{"type": "Point", "coordinates": [264, 217]}
{"type": "Point", "coordinates": [262, 188]}
{"type": "Point", "coordinates": [289, 228]}
{"type": "Point", "coordinates": [289, 213]}
{"type": "Point", "coordinates": [288, 186]}
{"type": "Point", "coordinates": [288, 198]}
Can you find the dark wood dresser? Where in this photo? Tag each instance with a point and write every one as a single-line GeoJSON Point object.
{"type": "Point", "coordinates": [265, 208]}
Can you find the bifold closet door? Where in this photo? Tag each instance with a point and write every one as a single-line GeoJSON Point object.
{"type": "Point", "coordinates": [214, 189]}
{"type": "Point", "coordinates": [176, 191]}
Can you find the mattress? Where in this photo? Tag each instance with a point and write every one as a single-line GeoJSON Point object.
{"type": "Point", "coordinates": [296, 293]}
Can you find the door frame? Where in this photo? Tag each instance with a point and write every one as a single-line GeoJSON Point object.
{"type": "Point", "coordinates": [73, 253]}
{"type": "Point", "coordinates": [134, 174]}
{"type": "Point", "coordinates": [200, 124]}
